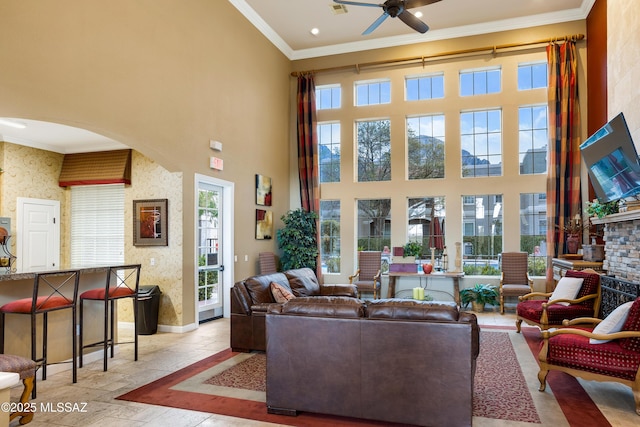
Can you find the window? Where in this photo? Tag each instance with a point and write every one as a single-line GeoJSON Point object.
{"type": "Point", "coordinates": [426, 218]}
{"type": "Point", "coordinates": [533, 230]}
{"type": "Point", "coordinates": [479, 82]}
{"type": "Point", "coordinates": [374, 224]}
{"type": "Point", "coordinates": [533, 139]}
{"type": "Point", "coordinates": [329, 151]}
{"type": "Point", "coordinates": [425, 147]}
{"type": "Point", "coordinates": [532, 76]}
{"type": "Point", "coordinates": [97, 225]}
{"type": "Point", "coordinates": [374, 151]}
{"type": "Point", "coordinates": [372, 93]}
{"type": "Point", "coordinates": [330, 235]}
{"type": "Point", "coordinates": [482, 225]}
{"type": "Point", "coordinates": [424, 87]}
{"type": "Point", "coordinates": [481, 141]}
{"type": "Point", "coordinates": [328, 97]}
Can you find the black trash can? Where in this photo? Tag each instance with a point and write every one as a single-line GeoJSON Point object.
{"type": "Point", "coordinates": [148, 307]}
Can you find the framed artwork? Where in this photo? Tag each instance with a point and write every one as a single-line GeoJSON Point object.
{"type": "Point", "coordinates": [263, 190]}
{"type": "Point", "coordinates": [150, 222]}
{"type": "Point", "coordinates": [264, 224]}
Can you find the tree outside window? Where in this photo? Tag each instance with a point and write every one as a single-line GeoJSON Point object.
{"type": "Point", "coordinates": [425, 147]}
{"type": "Point", "coordinates": [330, 235]}
{"type": "Point", "coordinates": [374, 151]}
{"type": "Point", "coordinates": [374, 224]}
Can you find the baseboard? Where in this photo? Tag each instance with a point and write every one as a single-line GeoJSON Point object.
{"type": "Point", "coordinates": [164, 328]}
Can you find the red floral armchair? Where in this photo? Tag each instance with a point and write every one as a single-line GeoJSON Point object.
{"type": "Point", "coordinates": [616, 358]}
{"type": "Point", "coordinates": [546, 313]}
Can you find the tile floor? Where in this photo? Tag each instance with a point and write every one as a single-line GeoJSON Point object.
{"type": "Point", "coordinates": [160, 355]}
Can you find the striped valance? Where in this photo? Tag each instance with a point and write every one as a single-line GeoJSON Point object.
{"type": "Point", "coordinates": [104, 167]}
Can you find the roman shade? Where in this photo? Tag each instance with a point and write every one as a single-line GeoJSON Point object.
{"type": "Point", "coordinates": [103, 167]}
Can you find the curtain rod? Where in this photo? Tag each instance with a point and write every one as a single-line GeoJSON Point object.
{"type": "Point", "coordinates": [492, 49]}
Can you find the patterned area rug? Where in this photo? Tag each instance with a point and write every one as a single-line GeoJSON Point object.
{"type": "Point", "coordinates": [232, 384]}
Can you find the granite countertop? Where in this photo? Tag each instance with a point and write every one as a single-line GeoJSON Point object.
{"type": "Point", "coordinates": [31, 275]}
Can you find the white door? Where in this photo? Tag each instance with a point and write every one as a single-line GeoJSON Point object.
{"type": "Point", "coordinates": [38, 240]}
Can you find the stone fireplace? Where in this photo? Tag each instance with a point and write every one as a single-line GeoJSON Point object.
{"type": "Point", "coordinates": [622, 245]}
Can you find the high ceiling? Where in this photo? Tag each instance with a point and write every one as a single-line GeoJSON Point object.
{"type": "Point", "coordinates": [288, 23]}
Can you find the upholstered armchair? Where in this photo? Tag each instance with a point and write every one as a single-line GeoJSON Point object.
{"type": "Point", "coordinates": [571, 299]}
{"type": "Point", "coordinates": [514, 280]}
{"type": "Point", "coordinates": [595, 349]}
{"type": "Point", "coordinates": [367, 277]}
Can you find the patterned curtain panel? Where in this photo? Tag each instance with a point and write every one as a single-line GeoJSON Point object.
{"type": "Point", "coordinates": [563, 181]}
{"type": "Point", "coordinates": [308, 152]}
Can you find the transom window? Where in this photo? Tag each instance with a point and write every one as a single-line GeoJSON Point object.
{"type": "Point", "coordinates": [328, 97]}
{"type": "Point", "coordinates": [372, 93]}
{"type": "Point", "coordinates": [479, 82]}
{"type": "Point", "coordinates": [424, 87]}
{"type": "Point", "coordinates": [532, 76]}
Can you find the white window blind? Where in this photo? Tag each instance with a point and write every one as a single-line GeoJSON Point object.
{"type": "Point", "coordinates": [97, 225]}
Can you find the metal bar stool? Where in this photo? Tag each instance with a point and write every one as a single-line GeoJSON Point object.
{"type": "Point", "coordinates": [52, 291]}
{"type": "Point", "coordinates": [122, 282]}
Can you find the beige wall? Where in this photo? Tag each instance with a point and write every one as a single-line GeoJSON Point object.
{"type": "Point", "coordinates": [163, 79]}
{"type": "Point", "coordinates": [623, 52]}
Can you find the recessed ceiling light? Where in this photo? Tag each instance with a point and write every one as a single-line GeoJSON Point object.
{"type": "Point", "coordinates": [315, 31]}
{"type": "Point", "coordinates": [11, 123]}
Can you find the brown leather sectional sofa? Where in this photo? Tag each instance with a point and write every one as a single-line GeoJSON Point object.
{"type": "Point", "coordinates": [250, 299]}
{"type": "Point", "coordinates": [400, 361]}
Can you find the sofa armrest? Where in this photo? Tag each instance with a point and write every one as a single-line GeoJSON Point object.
{"type": "Point", "coordinates": [240, 300]}
{"type": "Point", "coordinates": [339, 290]}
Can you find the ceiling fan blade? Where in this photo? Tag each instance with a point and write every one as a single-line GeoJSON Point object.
{"type": "Point", "coordinates": [355, 3]}
{"type": "Point", "coordinates": [376, 23]}
{"type": "Point", "coordinates": [410, 4]}
{"type": "Point", "coordinates": [411, 20]}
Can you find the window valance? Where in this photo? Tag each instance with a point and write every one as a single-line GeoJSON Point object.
{"type": "Point", "coordinates": [104, 167]}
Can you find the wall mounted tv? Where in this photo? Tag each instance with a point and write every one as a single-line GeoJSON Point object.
{"type": "Point", "coordinates": [612, 160]}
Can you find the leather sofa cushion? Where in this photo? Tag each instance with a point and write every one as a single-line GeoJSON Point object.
{"type": "Point", "coordinates": [259, 287]}
{"type": "Point", "coordinates": [412, 310]}
{"type": "Point", "coordinates": [303, 282]}
{"type": "Point", "coordinates": [324, 306]}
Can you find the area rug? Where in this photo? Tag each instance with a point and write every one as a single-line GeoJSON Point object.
{"type": "Point", "coordinates": [232, 384]}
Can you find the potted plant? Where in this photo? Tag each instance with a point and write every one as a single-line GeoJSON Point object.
{"type": "Point", "coordinates": [297, 240]}
{"type": "Point", "coordinates": [478, 296]}
{"type": "Point", "coordinates": [413, 249]}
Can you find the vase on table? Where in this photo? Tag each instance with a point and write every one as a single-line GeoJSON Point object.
{"type": "Point", "coordinates": [573, 241]}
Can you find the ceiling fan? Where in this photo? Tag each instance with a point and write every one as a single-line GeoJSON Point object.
{"type": "Point", "coordinates": [395, 8]}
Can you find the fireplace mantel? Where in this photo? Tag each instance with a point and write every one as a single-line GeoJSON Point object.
{"type": "Point", "coordinates": [618, 217]}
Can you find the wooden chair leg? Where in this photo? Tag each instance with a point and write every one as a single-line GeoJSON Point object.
{"type": "Point", "coordinates": [25, 416]}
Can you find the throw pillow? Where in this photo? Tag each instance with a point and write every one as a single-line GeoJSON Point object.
{"type": "Point", "coordinates": [280, 293]}
{"type": "Point", "coordinates": [567, 288]}
{"type": "Point", "coordinates": [612, 323]}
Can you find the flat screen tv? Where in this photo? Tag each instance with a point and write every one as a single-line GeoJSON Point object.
{"type": "Point", "coordinates": [612, 160]}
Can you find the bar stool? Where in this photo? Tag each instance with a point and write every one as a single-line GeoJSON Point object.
{"type": "Point", "coordinates": [122, 282]}
{"type": "Point", "coordinates": [26, 368]}
{"type": "Point", "coordinates": [52, 291]}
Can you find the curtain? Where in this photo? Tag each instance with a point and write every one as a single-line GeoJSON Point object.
{"type": "Point", "coordinates": [308, 152]}
{"type": "Point", "coordinates": [563, 180]}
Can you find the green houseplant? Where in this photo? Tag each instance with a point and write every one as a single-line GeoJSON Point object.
{"type": "Point", "coordinates": [479, 295]}
{"type": "Point", "coordinates": [412, 249]}
{"type": "Point", "coordinates": [297, 240]}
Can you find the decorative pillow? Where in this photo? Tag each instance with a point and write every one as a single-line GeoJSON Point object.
{"type": "Point", "coordinates": [632, 324]}
{"type": "Point", "coordinates": [567, 288]}
{"type": "Point", "coordinates": [612, 323]}
{"type": "Point", "coordinates": [280, 293]}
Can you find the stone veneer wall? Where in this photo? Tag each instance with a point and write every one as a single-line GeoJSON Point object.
{"type": "Point", "coordinates": [622, 249]}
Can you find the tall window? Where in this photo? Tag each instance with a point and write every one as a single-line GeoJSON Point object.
{"type": "Point", "coordinates": [374, 224]}
{"type": "Point", "coordinates": [533, 230]}
{"type": "Point", "coordinates": [330, 235]}
{"type": "Point", "coordinates": [532, 76]}
{"type": "Point", "coordinates": [481, 141]}
{"type": "Point", "coordinates": [425, 147]}
{"type": "Point", "coordinates": [533, 139]}
{"type": "Point", "coordinates": [329, 151]}
{"type": "Point", "coordinates": [328, 97]}
{"type": "Point", "coordinates": [424, 87]}
{"type": "Point", "coordinates": [426, 223]}
{"type": "Point", "coordinates": [372, 93]}
{"type": "Point", "coordinates": [374, 151]}
{"type": "Point", "coordinates": [485, 242]}
{"type": "Point", "coordinates": [479, 82]}
{"type": "Point", "coordinates": [97, 225]}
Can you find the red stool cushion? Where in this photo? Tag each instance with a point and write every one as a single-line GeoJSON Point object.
{"type": "Point", "coordinates": [42, 304]}
{"type": "Point", "coordinates": [98, 293]}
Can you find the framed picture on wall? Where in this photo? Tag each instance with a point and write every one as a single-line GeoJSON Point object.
{"type": "Point", "coordinates": [264, 224]}
{"type": "Point", "coordinates": [263, 190]}
{"type": "Point", "coordinates": [150, 222]}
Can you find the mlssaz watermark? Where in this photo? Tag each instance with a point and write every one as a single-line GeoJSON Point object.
{"type": "Point", "coordinates": [63, 407]}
